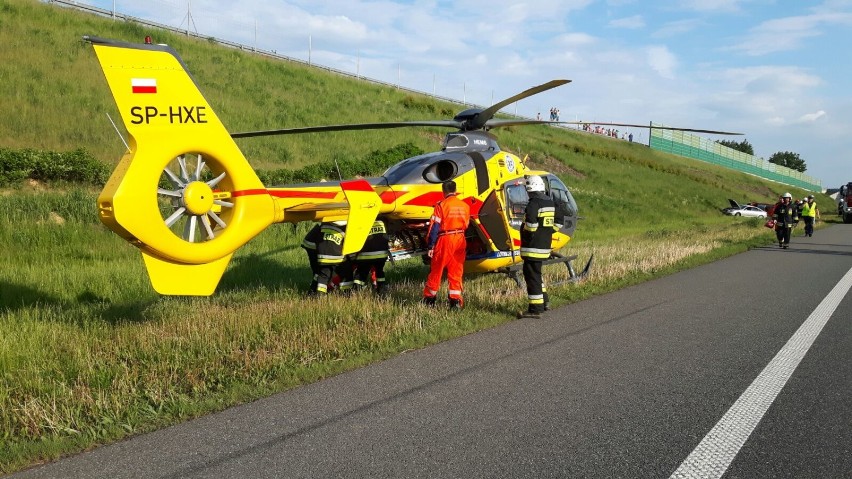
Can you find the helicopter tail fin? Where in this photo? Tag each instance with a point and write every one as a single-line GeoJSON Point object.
{"type": "Point", "coordinates": [171, 278]}
{"type": "Point", "coordinates": [364, 205]}
{"type": "Point", "coordinates": [183, 193]}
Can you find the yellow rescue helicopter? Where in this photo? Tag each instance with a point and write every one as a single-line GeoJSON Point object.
{"type": "Point", "coordinates": [184, 194]}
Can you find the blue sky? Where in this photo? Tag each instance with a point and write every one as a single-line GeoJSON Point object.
{"type": "Point", "coordinates": [778, 71]}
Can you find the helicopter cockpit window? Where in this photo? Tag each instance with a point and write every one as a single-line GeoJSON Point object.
{"type": "Point", "coordinates": [453, 141]}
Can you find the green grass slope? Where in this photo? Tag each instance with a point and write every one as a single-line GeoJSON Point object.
{"type": "Point", "coordinates": [90, 354]}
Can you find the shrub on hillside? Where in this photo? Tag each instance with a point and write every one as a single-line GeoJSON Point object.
{"type": "Point", "coordinates": [77, 166]}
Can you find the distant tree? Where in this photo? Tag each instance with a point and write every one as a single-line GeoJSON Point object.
{"type": "Point", "coordinates": [789, 159]}
{"type": "Point", "coordinates": [743, 146]}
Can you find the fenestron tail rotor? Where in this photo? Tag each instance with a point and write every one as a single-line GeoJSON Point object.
{"type": "Point", "coordinates": [192, 207]}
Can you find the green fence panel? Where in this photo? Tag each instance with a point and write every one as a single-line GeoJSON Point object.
{"type": "Point", "coordinates": [693, 146]}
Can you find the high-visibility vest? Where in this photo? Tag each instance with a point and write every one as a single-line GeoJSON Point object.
{"type": "Point", "coordinates": [451, 216]}
{"type": "Point", "coordinates": [809, 209]}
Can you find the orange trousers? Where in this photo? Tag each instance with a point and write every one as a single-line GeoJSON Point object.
{"type": "Point", "coordinates": [449, 254]}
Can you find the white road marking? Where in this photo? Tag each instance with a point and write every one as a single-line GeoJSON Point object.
{"type": "Point", "coordinates": [712, 457]}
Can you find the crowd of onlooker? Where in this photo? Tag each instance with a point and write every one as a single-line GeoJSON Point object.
{"type": "Point", "coordinates": [590, 128]}
{"type": "Point", "coordinates": [610, 132]}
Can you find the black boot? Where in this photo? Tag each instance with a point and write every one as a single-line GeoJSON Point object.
{"type": "Point", "coordinates": [455, 304]}
{"type": "Point", "coordinates": [430, 302]}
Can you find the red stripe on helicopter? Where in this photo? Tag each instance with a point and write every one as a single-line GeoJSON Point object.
{"type": "Point", "coordinates": [286, 193]}
{"type": "Point", "coordinates": [426, 199]}
{"type": "Point", "coordinates": [356, 185]}
{"type": "Point", "coordinates": [235, 194]}
{"type": "Point", "coordinates": [303, 194]}
{"type": "Point", "coordinates": [389, 196]}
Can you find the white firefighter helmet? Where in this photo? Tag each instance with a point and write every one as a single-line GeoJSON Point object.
{"type": "Point", "coordinates": [535, 183]}
{"type": "Point", "coordinates": [787, 195]}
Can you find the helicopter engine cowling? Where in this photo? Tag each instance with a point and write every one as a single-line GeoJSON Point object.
{"type": "Point", "coordinates": [441, 171]}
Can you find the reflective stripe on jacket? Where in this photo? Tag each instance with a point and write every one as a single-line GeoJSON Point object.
{"type": "Point", "coordinates": [538, 228]}
{"type": "Point", "coordinates": [376, 246]}
{"type": "Point", "coordinates": [451, 215]}
{"type": "Point", "coordinates": [786, 215]}
{"type": "Point", "coordinates": [312, 238]}
{"type": "Point", "coordinates": [330, 246]}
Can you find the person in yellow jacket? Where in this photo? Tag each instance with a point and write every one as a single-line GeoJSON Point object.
{"type": "Point", "coordinates": [810, 213]}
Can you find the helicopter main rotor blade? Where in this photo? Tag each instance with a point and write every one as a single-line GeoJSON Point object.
{"type": "Point", "coordinates": [480, 120]}
{"type": "Point", "coordinates": [490, 124]}
{"type": "Point", "coordinates": [655, 127]}
{"type": "Point", "coordinates": [353, 126]}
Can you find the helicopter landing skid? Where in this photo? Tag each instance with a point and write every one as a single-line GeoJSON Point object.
{"type": "Point", "coordinates": [515, 271]}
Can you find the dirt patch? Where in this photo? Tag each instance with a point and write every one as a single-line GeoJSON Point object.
{"type": "Point", "coordinates": [548, 163]}
{"type": "Point", "coordinates": [55, 218]}
{"type": "Point", "coordinates": [762, 192]}
{"type": "Point", "coordinates": [439, 139]}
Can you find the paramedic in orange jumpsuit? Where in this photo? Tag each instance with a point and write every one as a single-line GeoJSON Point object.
{"type": "Point", "coordinates": [446, 246]}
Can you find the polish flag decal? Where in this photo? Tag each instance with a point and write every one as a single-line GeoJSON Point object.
{"type": "Point", "coordinates": [144, 85]}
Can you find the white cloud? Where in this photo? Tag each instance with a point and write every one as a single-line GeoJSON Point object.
{"type": "Point", "coordinates": [789, 33]}
{"type": "Point", "coordinates": [678, 27]}
{"type": "Point", "coordinates": [634, 22]}
{"type": "Point", "coordinates": [662, 61]}
{"type": "Point", "coordinates": [575, 39]}
{"type": "Point", "coordinates": [811, 117]}
{"type": "Point", "coordinates": [710, 6]}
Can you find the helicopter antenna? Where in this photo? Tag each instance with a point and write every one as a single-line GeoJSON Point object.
{"type": "Point", "coordinates": [338, 170]}
{"type": "Point", "coordinates": [118, 132]}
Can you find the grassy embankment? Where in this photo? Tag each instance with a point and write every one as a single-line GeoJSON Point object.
{"type": "Point", "coordinates": [89, 353]}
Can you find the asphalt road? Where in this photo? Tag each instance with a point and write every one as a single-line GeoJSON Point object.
{"type": "Point", "coordinates": [628, 384]}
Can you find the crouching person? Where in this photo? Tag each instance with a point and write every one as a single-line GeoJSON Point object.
{"type": "Point", "coordinates": [373, 257]}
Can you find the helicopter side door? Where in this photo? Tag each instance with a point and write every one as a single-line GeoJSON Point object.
{"type": "Point", "coordinates": [566, 207]}
{"type": "Point", "coordinates": [492, 219]}
{"type": "Point", "coordinates": [499, 220]}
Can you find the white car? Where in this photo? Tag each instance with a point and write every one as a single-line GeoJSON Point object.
{"type": "Point", "coordinates": [744, 210]}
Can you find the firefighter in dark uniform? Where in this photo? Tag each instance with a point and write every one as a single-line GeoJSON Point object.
{"type": "Point", "coordinates": [786, 217]}
{"type": "Point", "coordinates": [536, 236]}
{"type": "Point", "coordinates": [329, 252]}
{"type": "Point", "coordinates": [372, 256]}
{"type": "Point", "coordinates": [313, 237]}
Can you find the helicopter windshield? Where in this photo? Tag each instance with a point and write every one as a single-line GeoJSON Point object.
{"type": "Point", "coordinates": [561, 196]}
